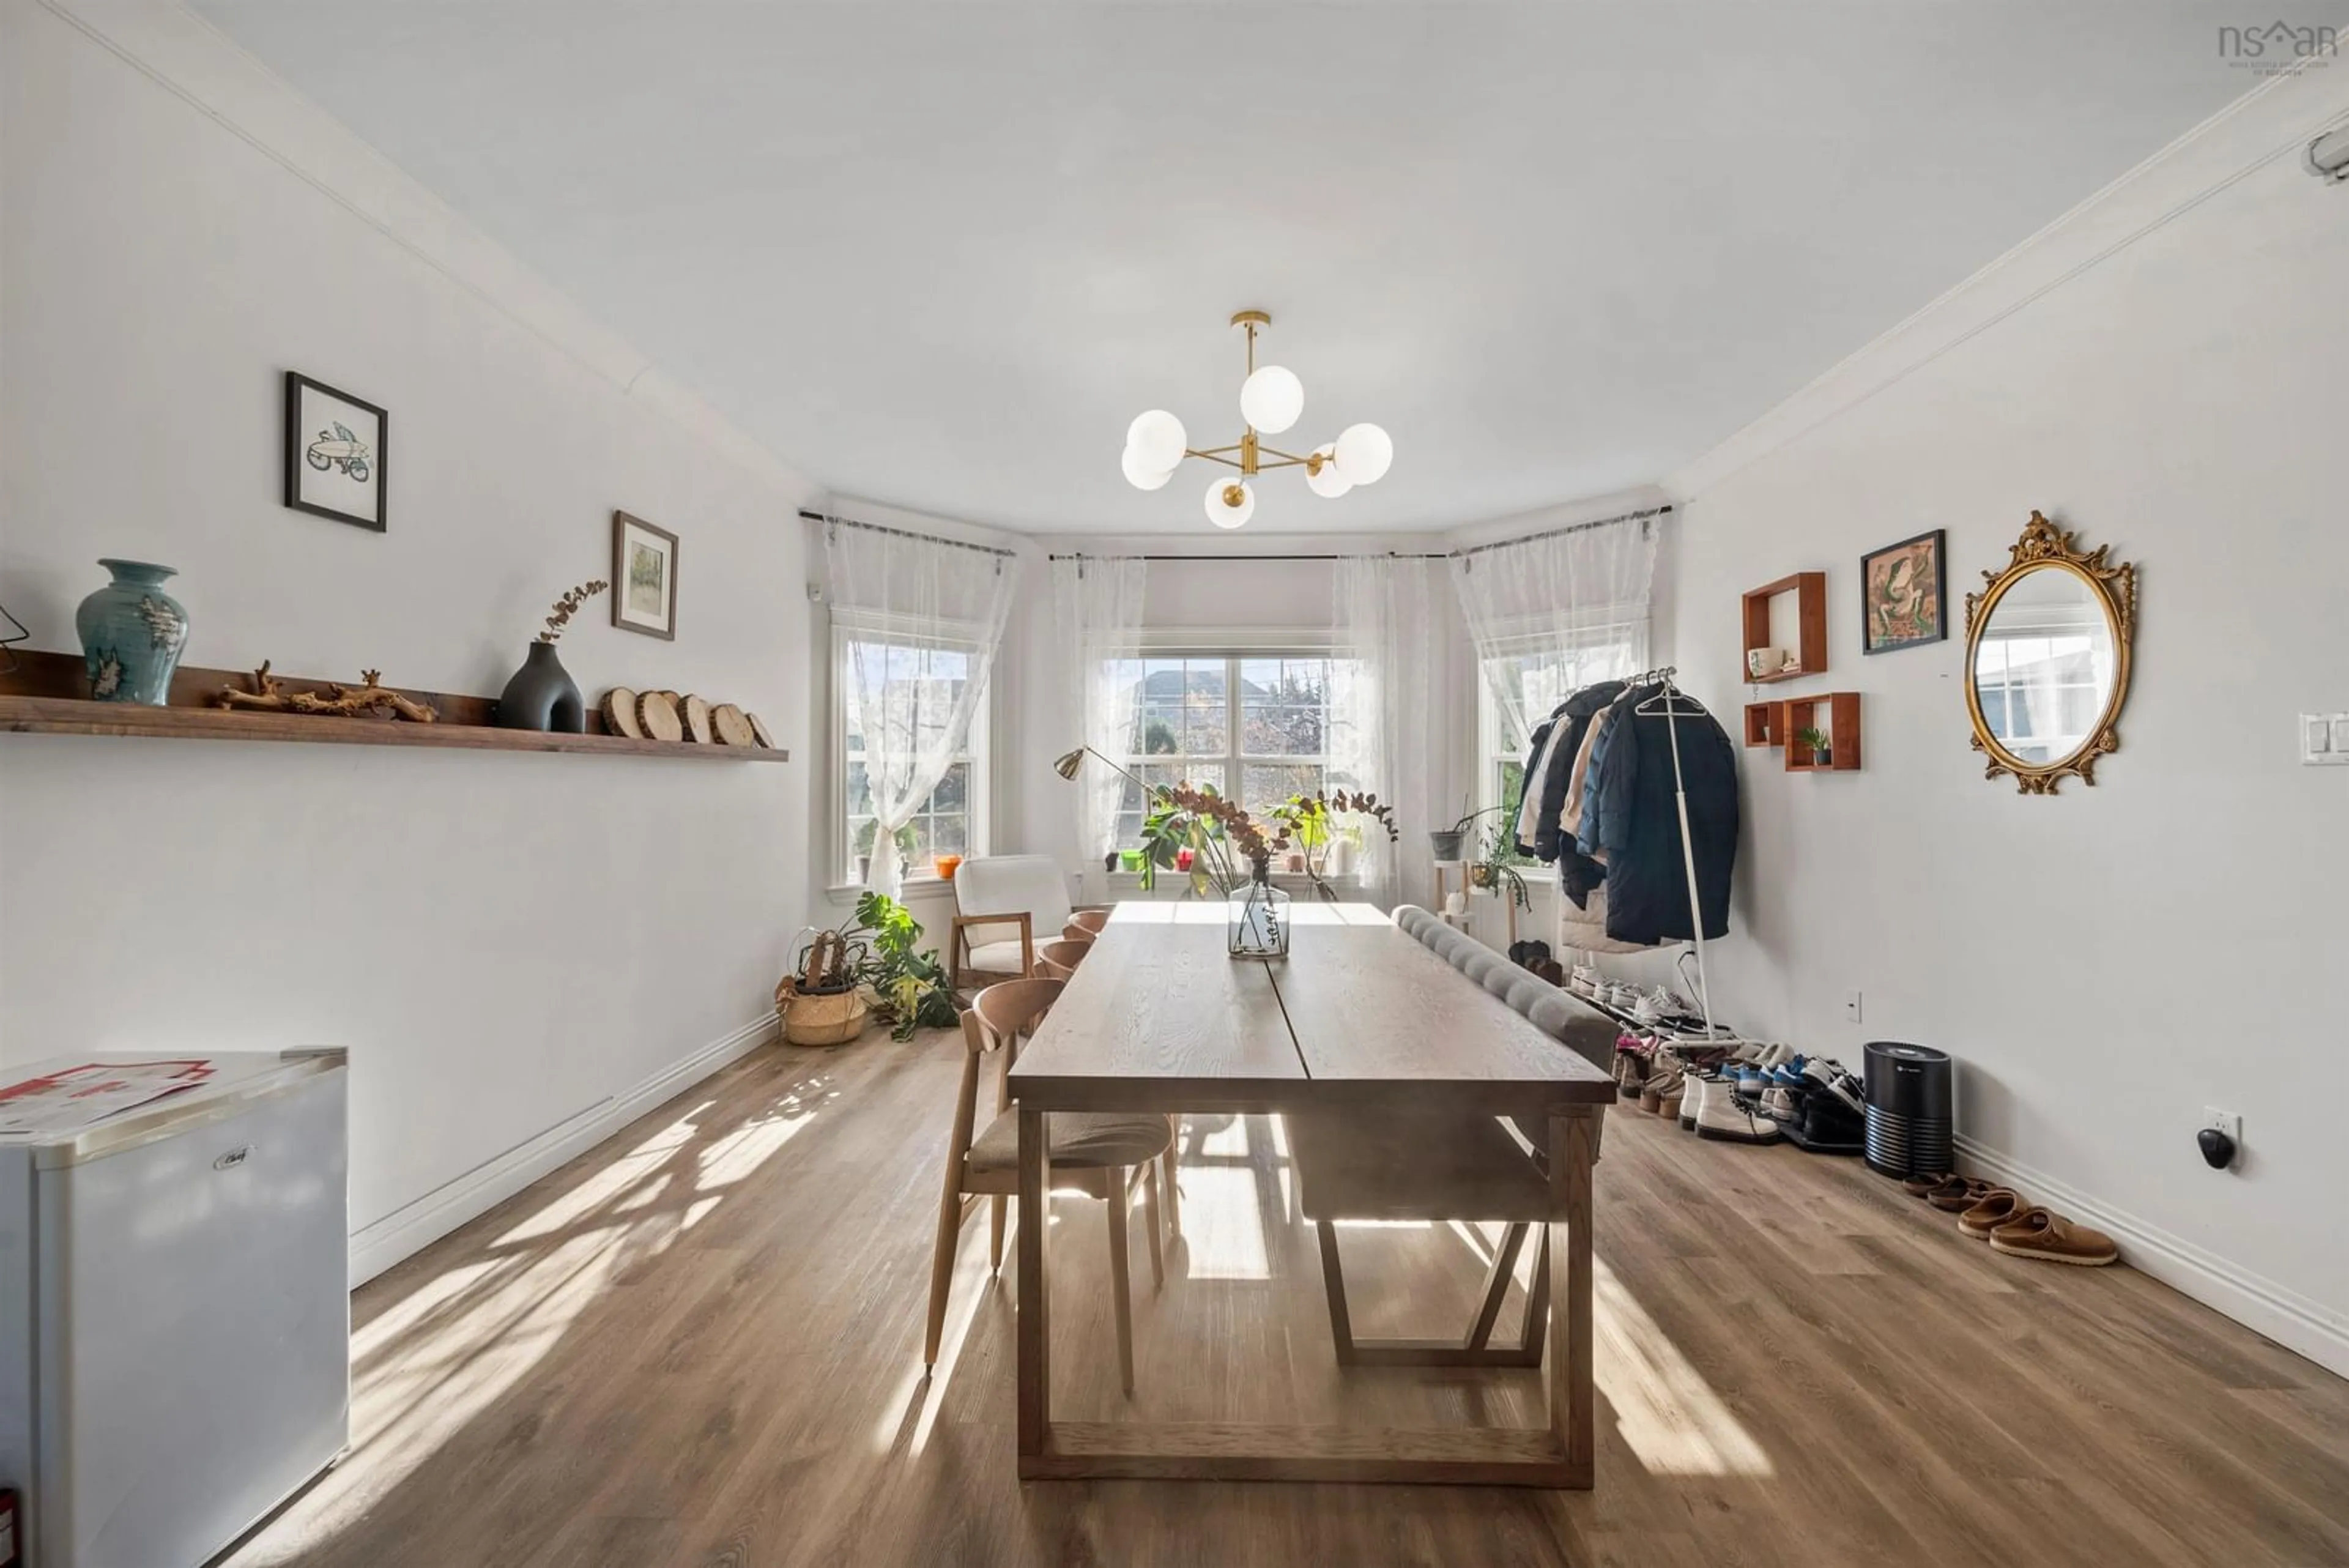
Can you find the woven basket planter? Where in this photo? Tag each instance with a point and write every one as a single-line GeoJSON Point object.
{"type": "Point", "coordinates": [833, 1019]}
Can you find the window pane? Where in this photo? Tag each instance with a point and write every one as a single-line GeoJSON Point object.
{"type": "Point", "coordinates": [1270, 784]}
{"type": "Point", "coordinates": [953, 792]}
{"type": "Point", "coordinates": [860, 791]}
{"type": "Point", "coordinates": [1284, 703]}
{"type": "Point", "coordinates": [1206, 728]}
{"type": "Point", "coordinates": [949, 833]}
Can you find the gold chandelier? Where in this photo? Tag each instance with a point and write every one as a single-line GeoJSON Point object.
{"type": "Point", "coordinates": [1271, 399]}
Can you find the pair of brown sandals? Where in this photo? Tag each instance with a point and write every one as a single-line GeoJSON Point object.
{"type": "Point", "coordinates": [2010, 1224]}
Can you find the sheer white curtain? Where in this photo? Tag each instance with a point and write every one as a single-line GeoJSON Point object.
{"type": "Point", "coordinates": [1580, 586]}
{"type": "Point", "coordinates": [1382, 616]}
{"type": "Point", "coordinates": [925, 619]}
{"type": "Point", "coordinates": [1097, 603]}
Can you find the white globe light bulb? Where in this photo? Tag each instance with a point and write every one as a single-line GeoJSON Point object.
{"type": "Point", "coordinates": [1156, 440]}
{"type": "Point", "coordinates": [1327, 482]}
{"type": "Point", "coordinates": [1142, 478]}
{"type": "Point", "coordinates": [1364, 453]}
{"type": "Point", "coordinates": [1271, 399]}
{"type": "Point", "coordinates": [1221, 511]}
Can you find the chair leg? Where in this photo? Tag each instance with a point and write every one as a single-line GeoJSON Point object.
{"type": "Point", "coordinates": [995, 1206]}
{"type": "Point", "coordinates": [1167, 1163]}
{"type": "Point", "coordinates": [1157, 1248]}
{"type": "Point", "coordinates": [942, 1267]}
{"type": "Point", "coordinates": [1120, 1288]}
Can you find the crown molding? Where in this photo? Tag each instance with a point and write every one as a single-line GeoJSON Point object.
{"type": "Point", "coordinates": [186, 55]}
{"type": "Point", "coordinates": [2275, 120]}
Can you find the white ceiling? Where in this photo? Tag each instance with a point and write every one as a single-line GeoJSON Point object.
{"type": "Point", "coordinates": [940, 255]}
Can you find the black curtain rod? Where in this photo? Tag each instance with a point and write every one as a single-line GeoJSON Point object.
{"type": "Point", "coordinates": [1641, 516]}
{"type": "Point", "coordinates": [1414, 556]}
{"type": "Point", "coordinates": [1376, 555]}
{"type": "Point", "coordinates": [829, 521]}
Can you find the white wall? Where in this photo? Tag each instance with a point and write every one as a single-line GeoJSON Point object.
{"type": "Point", "coordinates": [2106, 963]}
{"type": "Point", "coordinates": [510, 945]}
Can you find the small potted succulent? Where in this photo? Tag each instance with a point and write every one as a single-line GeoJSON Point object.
{"type": "Point", "coordinates": [1814, 741]}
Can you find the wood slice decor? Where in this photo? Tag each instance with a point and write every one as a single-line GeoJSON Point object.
{"type": "Point", "coordinates": [733, 730]}
{"type": "Point", "coordinates": [656, 716]}
{"type": "Point", "coordinates": [620, 713]}
{"type": "Point", "coordinates": [759, 731]}
{"type": "Point", "coordinates": [695, 711]}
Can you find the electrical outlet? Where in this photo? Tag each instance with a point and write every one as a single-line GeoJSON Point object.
{"type": "Point", "coordinates": [1851, 1007]}
{"type": "Point", "coordinates": [2227, 1122]}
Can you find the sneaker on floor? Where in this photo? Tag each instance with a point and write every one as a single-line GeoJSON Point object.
{"type": "Point", "coordinates": [2043, 1234]}
{"type": "Point", "coordinates": [1778, 1105]}
{"type": "Point", "coordinates": [1725, 1120]}
{"type": "Point", "coordinates": [1826, 1127]}
{"type": "Point", "coordinates": [1697, 1090]}
{"type": "Point", "coordinates": [1849, 1090]}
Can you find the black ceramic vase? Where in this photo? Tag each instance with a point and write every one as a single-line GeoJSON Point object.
{"type": "Point", "coordinates": [542, 696]}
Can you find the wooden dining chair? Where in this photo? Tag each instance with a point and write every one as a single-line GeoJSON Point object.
{"type": "Point", "coordinates": [1102, 1154]}
{"type": "Point", "coordinates": [1089, 921]}
{"type": "Point", "coordinates": [1058, 961]}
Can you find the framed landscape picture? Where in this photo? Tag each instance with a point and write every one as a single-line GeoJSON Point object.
{"type": "Point", "coordinates": [1903, 594]}
{"type": "Point", "coordinates": [335, 453]}
{"type": "Point", "coordinates": [644, 578]}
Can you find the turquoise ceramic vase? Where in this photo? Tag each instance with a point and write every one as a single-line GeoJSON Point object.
{"type": "Point", "coordinates": [132, 634]}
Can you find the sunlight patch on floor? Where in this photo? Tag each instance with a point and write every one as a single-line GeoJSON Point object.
{"type": "Point", "coordinates": [1666, 1412]}
{"type": "Point", "coordinates": [1222, 1222]}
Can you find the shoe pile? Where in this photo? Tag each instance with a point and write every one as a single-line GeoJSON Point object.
{"type": "Point", "coordinates": [2001, 1216]}
{"type": "Point", "coordinates": [1761, 1092]}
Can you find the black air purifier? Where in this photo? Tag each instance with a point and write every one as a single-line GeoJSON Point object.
{"type": "Point", "coordinates": [1908, 1109]}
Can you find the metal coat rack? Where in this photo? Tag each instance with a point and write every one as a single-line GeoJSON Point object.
{"type": "Point", "coordinates": [1672, 698]}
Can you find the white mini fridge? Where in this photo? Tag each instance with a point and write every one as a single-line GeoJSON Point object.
{"type": "Point", "coordinates": [175, 1312]}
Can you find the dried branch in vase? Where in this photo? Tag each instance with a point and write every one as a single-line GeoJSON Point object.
{"type": "Point", "coordinates": [567, 606]}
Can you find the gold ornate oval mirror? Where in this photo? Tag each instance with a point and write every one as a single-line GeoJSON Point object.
{"type": "Point", "coordinates": [2047, 658]}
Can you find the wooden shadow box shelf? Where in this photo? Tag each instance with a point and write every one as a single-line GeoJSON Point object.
{"type": "Point", "coordinates": [42, 697]}
{"type": "Point", "coordinates": [1810, 591]}
{"type": "Point", "coordinates": [1842, 727]}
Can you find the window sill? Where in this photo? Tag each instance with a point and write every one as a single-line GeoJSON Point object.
{"type": "Point", "coordinates": [929, 885]}
{"type": "Point", "coordinates": [1180, 881]}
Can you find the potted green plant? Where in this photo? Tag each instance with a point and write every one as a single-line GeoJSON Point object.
{"type": "Point", "coordinates": [899, 979]}
{"type": "Point", "coordinates": [1311, 822]}
{"type": "Point", "coordinates": [1492, 870]}
{"type": "Point", "coordinates": [1814, 741]}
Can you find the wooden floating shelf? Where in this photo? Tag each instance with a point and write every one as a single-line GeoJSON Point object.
{"type": "Point", "coordinates": [27, 707]}
{"type": "Point", "coordinates": [1765, 724]}
{"type": "Point", "coordinates": [1810, 591]}
{"type": "Point", "coordinates": [1843, 732]}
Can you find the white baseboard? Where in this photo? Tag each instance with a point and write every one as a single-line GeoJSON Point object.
{"type": "Point", "coordinates": [2292, 1320]}
{"type": "Point", "coordinates": [417, 1225]}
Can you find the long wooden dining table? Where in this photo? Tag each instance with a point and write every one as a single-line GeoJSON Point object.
{"type": "Point", "coordinates": [1358, 1015]}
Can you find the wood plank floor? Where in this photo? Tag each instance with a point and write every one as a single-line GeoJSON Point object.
{"type": "Point", "coordinates": [699, 1345]}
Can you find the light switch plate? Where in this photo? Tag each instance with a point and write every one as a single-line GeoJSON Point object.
{"type": "Point", "coordinates": [2325, 739]}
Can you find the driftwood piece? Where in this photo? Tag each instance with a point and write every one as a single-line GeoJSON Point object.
{"type": "Point", "coordinates": [620, 713]}
{"type": "Point", "coordinates": [732, 728]}
{"type": "Point", "coordinates": [341, 702]}
{"type": "Point", "coordinates": [656, 717]}
{"type": "Point", "coordinates": [695, 711]}
{"type": "Point", "coordinates": [759, 731]}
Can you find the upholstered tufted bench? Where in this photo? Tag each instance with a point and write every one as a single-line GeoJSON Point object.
{"type": "Point", "coordinates": [1564, 1018]}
